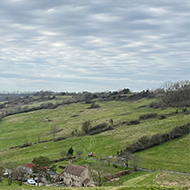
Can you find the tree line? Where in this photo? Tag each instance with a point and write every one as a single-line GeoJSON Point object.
{"type": "Point", "coordinates": [145, 142]}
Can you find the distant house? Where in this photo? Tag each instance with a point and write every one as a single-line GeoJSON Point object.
{"type": "Point", "coordinates": [76, 175]}
{"type": "Point", "coordinates": [28, 168]}
{"type": "Point", "coordinates": [53, 174]}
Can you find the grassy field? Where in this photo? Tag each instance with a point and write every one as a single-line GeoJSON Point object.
{"type": "Point", "coordinates": [28, 127]}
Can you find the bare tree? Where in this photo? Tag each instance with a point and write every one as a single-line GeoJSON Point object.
{"type": "Point", "coordinates": [63, 153]}
{"type": "Point", "coordinates": [10, 167]}
{"type": "Point", "coordinates": [79, 153]}
{"type": "Point", "coordinates": [126, 156]}
{"type": "Point", "coordinates": [101, 173]}
{"type": "Point", "coordinates": [20, 174]}
{"type": "Point", "coordinates": [53, 131]}
{"type": "Point", "coordinates": [135, 161]}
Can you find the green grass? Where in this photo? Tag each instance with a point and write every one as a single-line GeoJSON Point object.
{"type": "Point", "coordinates": [17, 129]}
{"type": "Point", "coordinates": [173, 155]}
{"type": "Point", "coordinates": [124, 179]}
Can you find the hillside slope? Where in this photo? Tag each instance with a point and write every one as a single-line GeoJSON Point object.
{"type": "Point", "coordinates": [35, 126]}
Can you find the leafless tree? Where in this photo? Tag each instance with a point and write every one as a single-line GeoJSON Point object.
{"type": "Point", "coordinates": [135, 161]}
{"type": "Point", "coordinates": [19, 174]}
{"type": "Point", "coordinates": [126, 156]}
{"type": "Point", "coordinates": [101, 173]}
{"type": "Point", "coordinates": [63, 153]}
{"type": "Point", "coordinates": [10, 167]}
{"type": "Point", "coordinates": [79, 153]}
{"type": "Point", "coordinates": [53, 131]}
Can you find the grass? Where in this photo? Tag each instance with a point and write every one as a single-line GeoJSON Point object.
{"type": "Point", "coordinates": [173, 155]}
{"type": "Point", "coordinates": [159, 178]}
{"type": "Point", "coordinates": [125, 179]}
{"type": "Point", "coordinates": [27, 127]}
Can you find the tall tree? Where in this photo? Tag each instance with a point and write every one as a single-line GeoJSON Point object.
{"type": "Point", "coordinates": [42, 164]}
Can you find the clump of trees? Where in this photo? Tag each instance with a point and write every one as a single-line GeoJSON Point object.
{"type": "Point", "coordinates": [173, 94]}
{"type": "Point", "coordinates": [88, 129]}
{"type": "Point", "coordinates": [146, 142]}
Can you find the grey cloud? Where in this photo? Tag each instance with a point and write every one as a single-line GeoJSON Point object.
{"type": "Point", "coordinates": [87, 41]}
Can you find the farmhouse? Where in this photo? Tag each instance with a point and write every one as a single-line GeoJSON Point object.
{"type": "Point", "coordinates": [76, 175]}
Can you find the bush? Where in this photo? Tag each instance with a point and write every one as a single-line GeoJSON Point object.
{"type": "Point", "coordinates": [133, 122]}
{"type": "Point", "coordinates": [93, 105]}
{"type": "Point", "coordinates": [145, 141]}
{"type": "Point", "coordinates": [99, 128]}
{"type": "Point", "coordinates": [148, 116]}
{"type": "Point", "coordinates": [162, 117]}
{"type": "Point", "coordinates": [85, 127]}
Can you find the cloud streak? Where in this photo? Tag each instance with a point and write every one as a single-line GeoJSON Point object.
{"type": "Point", "coordinates": [92, 45]}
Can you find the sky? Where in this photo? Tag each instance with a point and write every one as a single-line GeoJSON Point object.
{"type": "Point", "coordinates": [93, 45]}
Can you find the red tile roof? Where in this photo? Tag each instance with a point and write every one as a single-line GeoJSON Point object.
{"type": "Point", "coordinates": [30, 165]}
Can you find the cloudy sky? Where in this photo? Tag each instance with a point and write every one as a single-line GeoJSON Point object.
{"type": "Point", "coordinates": [93, 45]}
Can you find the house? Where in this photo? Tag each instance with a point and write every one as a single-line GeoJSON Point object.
{"type": "Point", "coordinates": [76, 175]}
{"type": "Point", "coordinates": [54, 175]}
{"type": "Point", "coordinates": [29, 167]}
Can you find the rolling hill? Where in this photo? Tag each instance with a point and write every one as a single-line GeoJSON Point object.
{"type": "Point", "coordinates": [34, 129]}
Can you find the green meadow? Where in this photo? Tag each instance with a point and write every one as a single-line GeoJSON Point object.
{"type": "Point", "coordinates": [35, 126]}
{"type": "Point", "coordinates": [30, 127]}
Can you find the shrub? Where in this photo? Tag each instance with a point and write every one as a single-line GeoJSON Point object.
{"type": "Point", "coordinates": [70, 151]}
{"type": "Point", "coordinates": [147, 116]}
{"type": "Point", "coordinates": [133, 122]}
{"type": "Point", "coordinates": [93, 105]}
{"type": "Point", "coordinates": [145, 141]}
{"type": "Point", "coordinates": [162, 117]}
{"type": "Point", "coordinates": [99, 128]}
{"type": "Point", "coordinates": [85, 127]}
